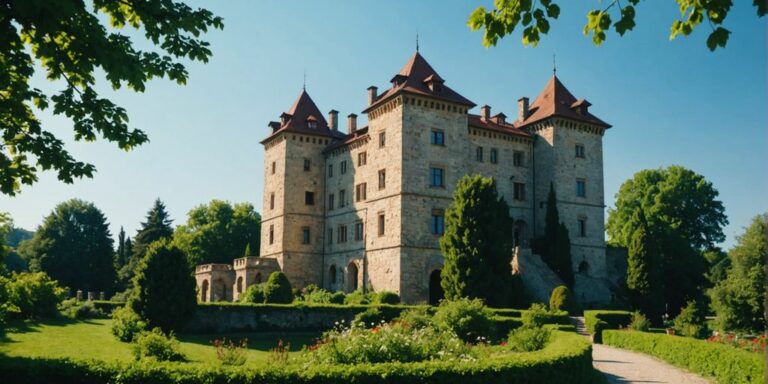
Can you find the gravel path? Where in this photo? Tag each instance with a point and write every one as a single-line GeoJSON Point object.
{"type": "Point", "coordinates": [622, 366]}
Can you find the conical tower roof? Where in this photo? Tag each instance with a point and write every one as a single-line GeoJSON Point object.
{"type": "Point", "coordinates": [557, 100]}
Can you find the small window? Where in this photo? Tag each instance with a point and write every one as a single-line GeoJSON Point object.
{"type": "Point", "coordinates": [583, 226]}
{"type": "Point", "coordinates": [519, 191]}
{"type": "Point", "coordinates": [382, 178]}
{"type": "Point", "coordinates": [273, 167]}
{"type": "Point", "coordinates": [494, 156]}
{"type": "Point", "coordinates": [517, 158]}
{"type": "Point", "coordinates": [330, 236]}
{"type": "Point", "coordinates": [331, 202]}
{"type": "Point", "coordinates": [342, 234]}
{"type": "Point", "coordinates": [342, 198]}
{"type": "Point", "coordinates": [362, 159]}
{"type": "Point", "coordinates": [305, 235]}
{"type": "Point", "coordinates": [580, 151]}
{"type": "Point", "coordinates": [343, 167]}
{"type": "Point", "coordinates": [382, 139]}
{"type": "Point", "coordinates": [381, 224]}
{"type": "Point", "coordinates": [581, 188]}
{"type": "Point", "coordinates": [309, 198]}
{"type": "Point", "coordinates": [438, 137]}
{"type": "Point", "coordinates": [307, 164]}
{"type": "Point", "coordinates": [479, 154]}
{"type": "Point", "coordinates": [359, 231]}
{"type": "Point", "coordinates": [272, 201]}
{"type": "Point", "coordinates": [330, 170]}
{"type": "Point", "coordinates": [360, 191]}
{"type": "Point", "coordinates": [437, 225]}
{"type": "Point", "coordinates": [312, 124]}
{"type": "Point", "coordinates": [271, 234]}
{"type": "Point", "coordinates": [436, 177]}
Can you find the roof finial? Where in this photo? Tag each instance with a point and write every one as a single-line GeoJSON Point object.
{"type": "Point", "coordinates": [417, 41]}
{"type": "Point", "coordinates": [304, 85]}
{"type": "Point", "coordinates": [554, 66]}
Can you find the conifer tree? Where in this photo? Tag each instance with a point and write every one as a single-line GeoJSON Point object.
{"type": "Point", "coordinates": [644, 280]}
{"type": "Point", "coordinates": [247, 250]}
{"type": "Point", "coordinates": [157, 227]}
{"type": "Point", "coordinates": [555, 246]}
{"type": "Point", "coordinates": [563, 261]}
{"type": "Point", "coordinates": [477, 245]}
{"type": "Point", "coordinates": [120, 257]}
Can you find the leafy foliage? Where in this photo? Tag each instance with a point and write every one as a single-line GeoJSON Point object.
{"type": "Point", "coordinates": [469, 319]}
{"type": "Point", "coordinates": [164, 293]}
{"type": "Point", "coordinates": [277, 289]}
{"type": "Point", "coordinates": [312, 294]}
{"type": "Point", "coordinates": [415, 318]}
{"type": "Point", "coordinates": [126, 324]}
{"type": "Point", "coordinates": [71, 44]}
{"type": "Point", "coordinates": [156, 227]}
{"type": "Point", "coordinates": [476, 244]}
{"type": "Point", "coordinates": [598, 320]}
{"type": "Point", "coordinates": [528, 339]}
{"type": "Point", "coordinates": [253, 294]}
{"type": "Point", "coordinates": [561, 300]}
{"type": "Point", "coordinates": [644, 280]}
{"type": "Point", "coordinates": [156, 345]}
{"type": "Point", "coordinates": [34, 295]}
{"type": "Point", "coordinates": [535, 16]}
{"type": "Point", "coordinates": [219, 232]}
{"type": "Point", "coordinates": [639, 322]}
{"type": "Point", "coordinates": [80, 310]}
{"type": "Point", "coordinates": [230, 353]}
{"type": "Point", "coordinates": [690, 321]}
{"type": "Point", "coordinates": [535, 316]}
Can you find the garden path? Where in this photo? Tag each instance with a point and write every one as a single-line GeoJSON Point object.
{"type": "Point", "coordinates": [623, 367]}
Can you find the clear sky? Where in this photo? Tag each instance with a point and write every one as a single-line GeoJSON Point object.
{"type": "Point", "coordinates": [669, 102]}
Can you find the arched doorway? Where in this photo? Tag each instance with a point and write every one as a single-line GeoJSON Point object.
{"type": "Point", "coordinates": [257, 279]}
{"type": "Point", "coordinates": [239, 285]}
{"type": "Point", "coordinates": [332, 276]}
{"type": "Point", "coordinates": [219, 291]}
{"type": "Point", "coordinates": [352, 277]}
{"type": "Point", "coordinates": [204, 291]}
{"type": "Point", "coordinates": [520, 233]}
{"type": "Point", "coordinates": [435, 289]}
{"type": "Point", "coordinates": [584, 267]}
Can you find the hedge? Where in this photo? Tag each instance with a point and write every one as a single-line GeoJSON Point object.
{"type": "Point", "coordinates": [597, 321]}
{"type": "Point", "coordinates": [568, 358]}
{"type": "Point", "coordinates": [724, 363]}
{"type": "Point", "coordinates": [107, 306]}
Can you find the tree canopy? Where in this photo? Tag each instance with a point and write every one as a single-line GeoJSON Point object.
{"type": "Point", "coordinates": [69, 40]}
{"type": "Point", "coordinates": [156, 227]}
{"type": "Point", "coordinates": [644, 280]}
{"type": "Point", "coordinates": [534, 18]}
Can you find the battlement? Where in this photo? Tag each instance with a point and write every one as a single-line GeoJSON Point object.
{"type": "Point", "coordinates": [254, 262]}
{"type": "Point", "coordinates": [206, 268]}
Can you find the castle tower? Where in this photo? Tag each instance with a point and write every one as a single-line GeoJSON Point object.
{"type": "Point", "coordinates": [568, 154]}
{"type": "Point", "coordinates": [292, 215]}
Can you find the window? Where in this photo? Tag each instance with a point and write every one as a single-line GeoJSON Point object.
{"type": "Point", "coordinates": [479, 154]}
{"type": "Point", "coordinates": [342, 198]}
{"type": "Point", "coordinates": [362, 158]}
{"type": "Point", "coordinates": [307, 164]}
{"type": "Point", "coordinates": [342, 234]}
{"type": "Point", "coordinates": [273, 167]}
{"type": "Point", "coordinates": [382, 178]}
{"type": "Point", "coordinates": [437, 225]}
{"type": "Point", "coordinates": [271, 234]}
{"type": "Point", "coordinates": [436, 177]}
{"type": "Point", "coordinates": [580, 151]}
{"type": "Point", "coordinates": [359, 231]}
{"type": "Point", "coordinates": [517, 158]}
{"type": "Point", "coordinates": [494, 155]}
{"type": "Point", "coordinates": [360, 191]}
{"type": "Point", "coordinates": [330, 236]}
{"type": "Point", "coordinates": [519, 191]}
{"type": "Point", "coordinates": [330, 202]}
{"type": "Point", "coordinates": [581, 188]}
{"type": "Point", "coordinates": [309, 198]}
{"type": "Point", "coordinates": [312, 124]}
{"type": "Point", "coordinates": [305, 235]}
{"type": "Point", "coordinates": [330, 170]}
{"type": "Point", "coordinates": [382, 139]}
{"type": "Point", "coordinates": [272, 201]}
{"type": "Point", "coordinates": [343, 167]}
{"type": "Point", "coordinates": [583, 226]}
{"type": "Point", "coordinates": [438, 137]}
{"type": "Point", "coordinates": [381, 224]}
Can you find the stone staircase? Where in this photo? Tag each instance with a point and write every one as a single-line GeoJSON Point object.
{"type": "Point", "coordinates": [538, 279]}
{"type": "Point", "coordinates": [581, 328]}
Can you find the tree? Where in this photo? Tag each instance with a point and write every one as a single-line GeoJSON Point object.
{"type": "Point", "coordinates": [74, 247]}
{"type": "Point", "coordinates": [684, 218]}
{"type": "Point", "coordinates": [5, 228]}
{"type": "Point", "coordinates": [164, 293]}
{"type": "Point", "coordinates": [71, 44]}
{"type": "Point", "coordinates": [534, 17]}
{"type": "Point", "coordinates": [157, 227]}
{"type": "Point", "coordinates": [644, 282]}
{"type": "Point", "coordinates": [477, 245]}
{"type": "Point", "coordinates": [738, 299]}
{"type": "Point", "coordinates": [120, 256]}
{"type": "Point", "coordinates": [218, 232]}
{"type": "Point", "coordinates": [561, 299]}
{"type": "Point", "coordinates": [278, 289]}
{"type": "Point", "coordinates": [555, 245]}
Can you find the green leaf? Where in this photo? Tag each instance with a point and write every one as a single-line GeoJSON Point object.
{"type": "Point", "coordinates": [718, 38]}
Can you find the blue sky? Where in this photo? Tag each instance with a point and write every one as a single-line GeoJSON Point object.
{"type": "Point", "coordinates": [669, 102]}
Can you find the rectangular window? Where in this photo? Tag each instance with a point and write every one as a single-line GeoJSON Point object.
{"type": "Point", "coordinates": [382, 178]}
{"type": "Point", "coordinates": [271, 234]}
{"type": "Point", "coordinates": [330, 170]}
{"type": "Point", "coordinates": [307, 164]}
{"type": "Point", "coordinates": [362, 159]}
{"type": "Point", "coordinates": [343, 167]}
{"type": "Point", "coordinates": [342, 198]}
{"type": "Point", "coordinates": [342, 234]}
{"type": "Point", "coordinates": [305, 235]}
{"type": "Point", "coordinates": [330, 202]}
{"type": "Point", "coordinates": [360, 191]}
{"type": "Point", "coordinates": [272, 201]}
{"type": "Point", "coordinates": [437, 225]}
{"type": "Point", "coordinates": [581, 188]}
{"type": "Point", "coordinates": [382, 139]}
{"type": "Point", "coordinates": [580, 151]}
{"type": "Point", "coordinates": [583, 226]}
{"type": "Point", "coordinates": [309, 198]}
{"type": "Point", "coordinates": [519, 191]}
{"type": "Point", "coordinates": [273, 167]}
{"type": "Point", "coordinates": [517, 158]}
{"type": "Point", "coordinates": [479, 154]}
{"type": "Point", "coordinates": [436, 177]}
{"type": "Point", "coordinates": [494, 156]}
{"type": "Point", "coordinates": [438, 137]}
{"type": "Point", "coordinates": [330, 236]}
{"type": "Point", "coordinates": [359, 231]}
{"type": "Point", "coordinates": [381, 224]}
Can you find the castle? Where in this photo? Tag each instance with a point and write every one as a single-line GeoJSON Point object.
{"type": "Point", "coordinates": [364, 209]}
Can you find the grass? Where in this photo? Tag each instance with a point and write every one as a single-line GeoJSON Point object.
{"type": "Point", "coordinates": [91, 339]}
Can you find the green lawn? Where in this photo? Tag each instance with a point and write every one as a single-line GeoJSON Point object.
{"type": "Point", "coordinates": [91, 339]}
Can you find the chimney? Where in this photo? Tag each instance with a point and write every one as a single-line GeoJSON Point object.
{"type": "Point", "coordinates": [284, 118]}
{"type": "Point", "coordinates": [333, 119]}
{"type": "Point", "coordinates": [485, 112]}
{"type": "Point", "coordinates": [274, 125]}
{"type": "Point", "coordinates": [522, 109]}
{"type": "Point", "coordinates": [372, 94]}
{"type": "Point", "coordinates": [351, 123]}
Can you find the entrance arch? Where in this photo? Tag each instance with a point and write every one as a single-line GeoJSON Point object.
{"type": "Point", "coordinates": [239, 285]}
{"type": "Point", "coordinates": [435, 289]}
{"type": "Point", "coordinates": [332, 276]}
{"type": "Point", "coordinates": [204, 291]}
{"type": "Point", "coordinates": [352, 277]}
{"type": "Point", "coordinates": [257, 279]}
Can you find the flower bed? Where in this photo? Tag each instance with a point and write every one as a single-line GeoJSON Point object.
{"type": "Point", "coordinates": [754, 344]}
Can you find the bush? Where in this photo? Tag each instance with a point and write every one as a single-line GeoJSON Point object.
{"type": "Point", "coordinates": [311, 294]}
{"type": "Point", "coordinates": [278, 289]}
{"type": "Point", "coordinates": [230, 353]}
{"type": "Point", "coordinates": [416, 318]}
{"type": "Point", "coordinates": [34, 294]}
{"type": "Point", "coordinates": [536, 316]}
{"type": "Point", "coordinates": [357, 298]}
{"type": "Point", "coordinates": [690, 321]}
{"type": "Point", "coordinates": [375, 316]}
{"type": "Point", "coordinates": [73, 309]}
{"type": "Point", "coordinates": [385, 297]}
{"type": "Point", "coordinates": [253, 294]}
{"type": "Point", "coordinates": [561, 300]}
{"type": "Point", "coordinates": [723, 362]}
{"type": "Point", "coordinates": [639, 322]}
{"type": "Point", "coordinates": [126, 324]}
{"type": "Point", "coordinates": [528, 339]}
{"type": "Point", "coordinates": [599, 320]}
{"type": "Point", "coordinates": [156, 345]}
{"type": "Point", "coordinates": [469, 319]}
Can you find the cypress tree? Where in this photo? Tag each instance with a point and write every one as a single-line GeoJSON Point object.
{"type": "Point", "coordinates": [247, 250]}
{"type": "Point", "coordinates": [564, 267]}
{"type": "Point", "coordinates": [120, 252]}
{"type": "Point", "coordinates": [644, 280]}
{"type": "Point", "coordinates": [157, 227]}
{"type": "Point", "coordinates": [555, 246]}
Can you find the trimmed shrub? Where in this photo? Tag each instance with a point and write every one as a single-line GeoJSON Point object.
{"type": "Point", "coordinates": [639, 322]}
{"type": "Point", "coordinates": [126, 324]}
{"type": "Point", "coordinates": [311, 294]}
{"type": "Point", "coordinates": [278, 289]}
{"type": "Point", "coordinates": [385, 297]}
{"type": "Point", "coordinates": [536, 316]}
{"type": "Point", "coordinates": [528, 339]}
{"type": "Point", "coordinates": [504, 325]}
{"type": "Point", "coordinates": [599, 320]}
{"type": "Point", "coordinates": [156, 345]}
{"type": "Point", "coordinates": [34, 294]}
{"type": "Point", "coordinates": [83, 310]}
{"type": "Point", "coordinates": [561, 300]}
{"type": "Point", "coordinates": [690, 321]}
{"type": "Point", "coordinates": [357, 298]}
{"type": "Point", "coordinates": [469, 319]}
{"type": "Point", "coordinates": [415, 318]}
{"type": "Point", "coordinates": [725, 363]}
{"type": "Point", "coordinates": [253, 294]}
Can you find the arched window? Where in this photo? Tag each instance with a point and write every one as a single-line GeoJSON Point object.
{"type": "Point", "coordinates": [239, 284]}
{"type": "Point", "coordinates": [352, 277]}
{"type": "Point", "coordinates": [204, 292]}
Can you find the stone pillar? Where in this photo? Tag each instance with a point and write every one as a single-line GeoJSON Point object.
{"type": "Point", "coordinates": [79, 295]}
{"type": "Point", "coordinates": [101, 296]}
{"type": "Point", "coordinates": [91, 295]}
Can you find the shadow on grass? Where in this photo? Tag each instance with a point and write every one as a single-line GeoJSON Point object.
{"type": "Point", "coordinates": [34, 325]}
{"type": "Point", "coordinates": [260, 341]}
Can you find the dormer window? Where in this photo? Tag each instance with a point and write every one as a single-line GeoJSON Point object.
{"type": "Point", "coordinates": [312, 122]}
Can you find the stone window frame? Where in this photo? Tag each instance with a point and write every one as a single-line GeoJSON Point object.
{"type": "Point", "coordinates": [271, 234]}
{"type": "Point", "coordinates": [309, 198]}
{"type": "Point", "coordinates": [362, 158]}
{"type": "Point", "coordinates": [493, 156]}
{"type": "Point", "coordinates": [432, 175]}
{"type": "Point", "coordinates": [307, 164]}
{"type": "Point", "coordinates": [382, 178]}
{"type": "Point", "coordinates": [518, 191]}
{"type": "Point", "coordinates": [330, 170]}
{"type": "Point", "coordinates": [342, 198]}
{"type": "Point", "coordinates": [273, 167]}
{"type": "Point", "coordinates": [582, 225]}
{"type": "Point", "coordinates": [361, 192]}
{"type": "Point", "coordinates": [272, 201]}
{"type": "Point", "coordinates": [343, 167]}
{"type": "Point", "coordinates": [382, 139]}
{"type": "Point", "coordinates": [359, 230]}
{"type": "Point", "coordinates": [331, 201]}
{"type": "Point", "coordinates": [437, 222]}
{"type": "Point", "coordinates": [330, 236]}
{"type": "Point", "coordinates": [479, 154]}
{"type": "Point", "coordinates": [342, 233]}
{"type": "Point", "coordinates": [581, 188]}
{"type": "Point", "coordinates": [580, 151]}
{"type": "Point", "coordinates": [381, 220]}
{"type": "Point", "coordinates": [306, 235]}
{"type": "Point", "coordinates": [518, 158]}
{"type": "Point", "coordinates": [437, 137]}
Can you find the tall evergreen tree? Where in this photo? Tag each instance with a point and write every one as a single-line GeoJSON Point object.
{"type": "Point", "coordinates": [247, 250]}
{"type": "Point", "coordinates": [644, 279]}
{"type": "Point", "coordinates": [477, 245]}
{"type": "Point", "coordinates": [156, 227]}
{"type": "Point", "coordinates": [564, 265]}
{"type": "Point", "coordinates": [555, 246]}
{"type": "Point", "coordinates": [120, 258]}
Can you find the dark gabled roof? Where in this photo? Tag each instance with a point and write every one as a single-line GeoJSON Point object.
{"type": "Point", "coordinates": [301, 113]}
{"type": "Point", "coordinates": [478, 122]}
{"type": "Point", "coordinates": [414, 78]}
{"type": "Point", "coordinates": [556, 100]}
{"type": "Point", "coordinates": [358, 134]}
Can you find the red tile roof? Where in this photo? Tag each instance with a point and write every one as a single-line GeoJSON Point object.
{"type": "Point", "coordinates": [303, 111]}
{"type": "Point", "coordinates": [491, 124]}
{"type": "Point", "coordinates": [556, 100]}
{"type": "Point", "coordinates": [414, 78]}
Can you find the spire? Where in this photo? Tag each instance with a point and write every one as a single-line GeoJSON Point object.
{"type": "Point", "coordinates": [554, 66]}
{"type": "Point", "coordinates": [417, 41]}
{"type": "Point", "coordinates": [304, 85]}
